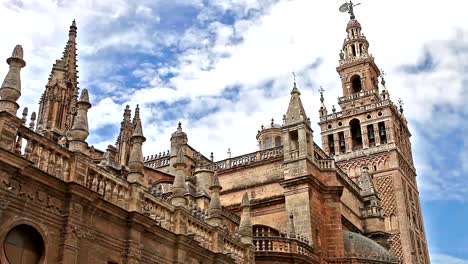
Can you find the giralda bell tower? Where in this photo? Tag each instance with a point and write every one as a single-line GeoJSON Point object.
{"type": "Point", "coordinates": [371, 131]}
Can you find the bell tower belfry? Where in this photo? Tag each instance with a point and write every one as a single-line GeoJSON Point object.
{"type": "Point", "coordinates": [372, 132]}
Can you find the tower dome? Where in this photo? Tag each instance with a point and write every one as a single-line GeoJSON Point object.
{"type": "Point", "coordinates": [361, 247]}
{"type": "Point", "coordinates": [269, 137]}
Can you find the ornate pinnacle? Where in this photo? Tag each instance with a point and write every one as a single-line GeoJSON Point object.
{"type": "Point", "coordinates": [10, 90]}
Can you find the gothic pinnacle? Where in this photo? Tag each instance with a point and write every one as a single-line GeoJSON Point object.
{"type": "Point", "coordinates": [10, 90]}
{"type": "Point", "coordinates": [80, 129]}
{"type": "Point", "coordinates": [179, 187]}
{"type": "Point", "coordinates": [135, 161]}
{"type": "Point", "coordinates": [214, 209]}
{"type": "Point", "coordinates": [245, 226]}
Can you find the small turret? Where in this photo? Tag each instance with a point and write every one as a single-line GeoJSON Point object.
{"type": "Point", "coordinates": [10, 91]}
{"type": "Point", "coordinates": [80, 130]}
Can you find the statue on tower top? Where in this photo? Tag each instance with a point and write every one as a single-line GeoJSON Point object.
{"type": "Point", "coordinates": [349, 7]}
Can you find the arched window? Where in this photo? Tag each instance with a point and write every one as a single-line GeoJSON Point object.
{"type": "Point", "coordinates": [356, 83]}
{"type": "Point", "coordinates": [23, 245]}
{"type": "Point", "coordinates": [356, 135]}
{"type": "Point", "coordinates": [277, 141]}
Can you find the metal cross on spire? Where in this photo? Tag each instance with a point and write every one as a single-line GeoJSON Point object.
{"type": "Point", "coordinates": [349, 7]}
{"type": "Point", "coordinates": [382, 75]}
{"type": "Point", "coordinates": [321, 90]}
{"type": "Point", "coordinates": [400, 104]}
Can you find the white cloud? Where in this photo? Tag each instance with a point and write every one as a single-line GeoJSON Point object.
{"type": "Point", "coordinates": [446, 259]}
{"type": "Point", "coordinates": [285, 36]}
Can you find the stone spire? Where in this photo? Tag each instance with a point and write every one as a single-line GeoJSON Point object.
{"type": "Point", "coordinates": [80, 130]}
{"type": "Point", "coordinates": [245, 226]}
{"type": "Point", "coordinates": [372, 204]}
{"type": "Point", "coordinates": [365, 183]}
{"type": "Point", "coordinates": [10, 91]}
{"type": "Point", "coordinates": [58, 103]}
{"type": "Point", "coordinates": [123, 140]}
{"type": "Point", "coordinates": [135, 160]}
{"type": "Point", "coordinates": [295, 113]}
{"type": "Point", "coordinates": [214, 209]}
{"type": "Point", "coordinates": [178, 187]}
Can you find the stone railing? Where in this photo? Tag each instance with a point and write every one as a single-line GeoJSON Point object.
{"type": "Point", "coordinates": [365, 152]}
{"type": "Point", "coordinates": [249, 159]}
{"type": "Point", "coordinates": [45, 154]}
{"type": "Point", "coordinates": [234, 248]}
{"type": "Point", "coordinates": [356, 110]}
{"type": "Point", "coordinates": [357, 96]}
{"type": "Point", "coordinates": [157, 163]}
{"type": "Point", "coordinates": [282, 245]}
{"type": "Point", "coordinates": [159, 211]}
{"type": "Point", "coordinates": [202, 232]}
{"type": "Point", "coordinates": [110, 187]}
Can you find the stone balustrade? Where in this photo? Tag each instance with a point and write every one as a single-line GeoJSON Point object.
{"type": "Point", "coordinates": [159, 211]}
{"type": "Point", "coordinates": [249, 159]}
{"type": "Point", "coordinates": [357, 96]}
{"type": "Point", "coordinates": [282, 245]}
{"type": "Point", "coordinates": [356, 110]}
{"type": "Point", "coordinates": [110, 187]}
{"type": "Point", "coordinates": [45, 154]}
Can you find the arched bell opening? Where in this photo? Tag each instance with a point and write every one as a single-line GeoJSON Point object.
{"type": "Point", "coordinates": [356, 84]}
{"type": "Point", "coordinates": [356, 135]}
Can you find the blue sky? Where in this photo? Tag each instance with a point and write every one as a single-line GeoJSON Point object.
{"type": "Point", "coordinates": [223, 68]}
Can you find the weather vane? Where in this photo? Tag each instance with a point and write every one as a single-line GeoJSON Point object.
{"type": "Point", "coordinates": [349, 7]}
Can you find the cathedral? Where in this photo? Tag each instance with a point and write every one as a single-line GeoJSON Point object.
{"type": "Point", "coordinates": [353, 200]}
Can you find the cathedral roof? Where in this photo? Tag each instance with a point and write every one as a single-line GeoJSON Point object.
{"type": "Point", "coordinates": [359, 246]}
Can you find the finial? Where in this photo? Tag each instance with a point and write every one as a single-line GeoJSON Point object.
{"type": "Point", "coordinates": [294, 76]}
{"type": "Point", "coordinates": [321, 90]}
{"type": "Point", "coordinates": [84, 97]}
{"type": "Point", "coordinates": [382, 76]}
{"type": "Point", "coordinates": [179, 125]}
{"type": "Point", "coordinates": [17, 52]}
{"type": "Point", "coordinates": [33, 121]}
{"type": "Point", "coordinates": [212, 157]}
{"type": "Point", "coordinates": [229, 153]}
{"type": "Point", "coordinates": [25, 115]}
{"type": "Point", "coordinates": [333, 109]}
{"type": "Point", "coordinates": [272, 122]}
{"type": "Point", "coordinates": [262, 127]}
{"type": "Point", "coordinates": [400, 104]}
